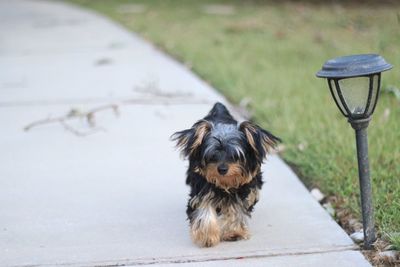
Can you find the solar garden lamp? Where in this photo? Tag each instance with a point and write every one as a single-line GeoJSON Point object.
{"type": "Point", "coordinates": [354, 82]}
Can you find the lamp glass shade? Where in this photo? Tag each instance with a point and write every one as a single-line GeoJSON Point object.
{"type": "Point", "coordinates": [354, 82]}
{"type": "Point", "coordinates": [374, 94]}
{"type": "Point", "coordinates": [355, 93]}
{"type": "Point", "coordinates": [336, 97]}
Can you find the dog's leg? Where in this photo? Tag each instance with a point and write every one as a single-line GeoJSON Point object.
{"type": "Point", "coordinates": [204, 227]}
{"type": "Point", "coordinates": [251, 199]}
{"type": "Point", "coordinates": [233, 222]}
{"type": "Point", "coordinates": [233, 219]}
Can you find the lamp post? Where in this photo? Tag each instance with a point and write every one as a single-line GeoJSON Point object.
{"type": "Point", "coordinates": [354, 82]}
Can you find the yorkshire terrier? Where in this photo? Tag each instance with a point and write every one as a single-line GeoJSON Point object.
{"type": "Point", "coordinates": [224, 174]}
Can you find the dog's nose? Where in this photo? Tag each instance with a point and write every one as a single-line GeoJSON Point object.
{"type": "Point", "coordinates": [222, 169]}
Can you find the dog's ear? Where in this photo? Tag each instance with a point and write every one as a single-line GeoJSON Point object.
{"type": "Point", "coordinates": [188, 141]}
{"type": "Point", "coordinates": [260, 140]}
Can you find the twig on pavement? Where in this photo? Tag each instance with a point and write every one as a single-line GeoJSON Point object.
{"type": "Point", "coordinates": [89, 115]}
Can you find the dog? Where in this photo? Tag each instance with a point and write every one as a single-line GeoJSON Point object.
{"type": "Point", "coordinates": [224, 174]}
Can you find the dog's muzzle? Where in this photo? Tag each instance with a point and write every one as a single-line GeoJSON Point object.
{"type": "Point", "coordinates": [222, 169]}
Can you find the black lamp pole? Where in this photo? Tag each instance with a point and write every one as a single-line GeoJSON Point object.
{"type": "Point", "coordinates": [360, 128]}
{"type": "Point", "coordinates": [354, 82]}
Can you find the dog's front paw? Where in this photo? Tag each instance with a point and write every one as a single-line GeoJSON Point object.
{"type": "Point", "coordinates": [206, 237]}
{"type": "Point", "coordinates": [236, 235]}
{"type": "Point", "coordinates": [204, 230]}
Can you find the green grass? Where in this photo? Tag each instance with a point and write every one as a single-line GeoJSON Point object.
{"type": "Point", "coordinates": [395, 240]}
{"type": "Point", "coordinates": [269, 52]}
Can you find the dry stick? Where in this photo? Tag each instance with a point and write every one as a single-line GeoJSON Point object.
{"type": "Point", "coordinates": [43, 121]}
{"type": "Point", "coordinates": [114, 107]}
{"type": "Point", "coordinates": [73, 114]}
{"type": "Point", "coordinates": [90, 115]}
{"type": "Point", "coordinates": [79, 133]}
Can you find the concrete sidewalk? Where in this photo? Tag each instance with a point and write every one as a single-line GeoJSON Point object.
{"type": "Point", "coordinates": [117, 196]}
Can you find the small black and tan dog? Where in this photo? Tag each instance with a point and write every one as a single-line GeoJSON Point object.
{"type": "Point", "coordinates": [224, 174]}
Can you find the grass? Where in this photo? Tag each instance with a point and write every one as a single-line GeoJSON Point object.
{"type": "Point", "coordinates": [395, 240]}
{"type": "Point", "coordinates": [268, 52]}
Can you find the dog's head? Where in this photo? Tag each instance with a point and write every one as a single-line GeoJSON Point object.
{"type": "Point", "coordinates": [226, 153]}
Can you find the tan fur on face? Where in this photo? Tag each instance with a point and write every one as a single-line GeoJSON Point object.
{"type": "Point", "coordinates": [234, 178]}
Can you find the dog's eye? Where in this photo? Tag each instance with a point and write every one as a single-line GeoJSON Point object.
{"type": "Point", "coordinates": [214, 158]}
{"type": "Point", "coordinates": [237, 157]}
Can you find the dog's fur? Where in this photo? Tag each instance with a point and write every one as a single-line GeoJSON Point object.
{"type": "Point", "coordinates": [224, 174]}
